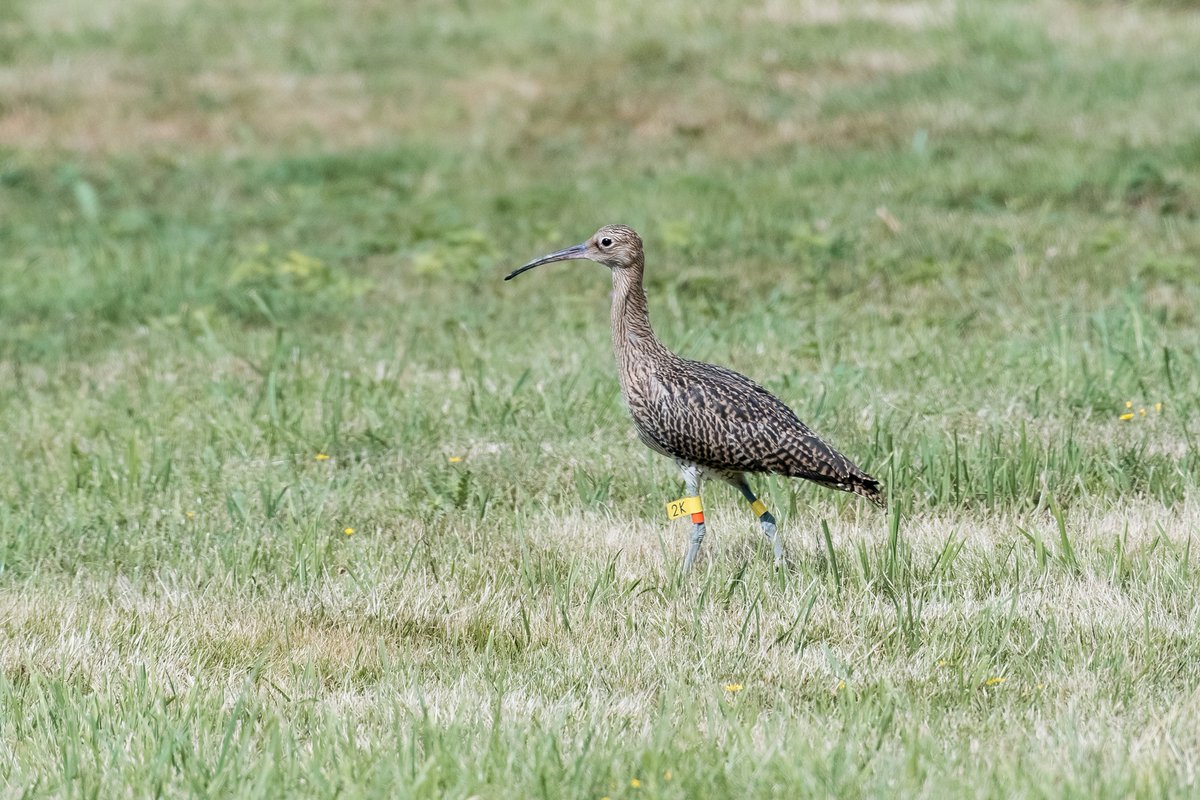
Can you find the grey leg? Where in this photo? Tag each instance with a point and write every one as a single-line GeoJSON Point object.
{"type": "Point", "coordinates": [765, 518]}
{"type": "Point", "coordinates": [691, 478]}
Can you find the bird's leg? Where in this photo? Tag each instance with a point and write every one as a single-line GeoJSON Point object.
{"type": "Point", "coordinates": [765, 518]}
{"type": "Point", "coordinates": [691, 478]}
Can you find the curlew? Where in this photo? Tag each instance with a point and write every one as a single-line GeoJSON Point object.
{"type": "Point", "coordinates": [714, 422]}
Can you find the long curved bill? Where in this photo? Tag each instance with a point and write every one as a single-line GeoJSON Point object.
{"type": "Point", "coordinates": [578, 251]}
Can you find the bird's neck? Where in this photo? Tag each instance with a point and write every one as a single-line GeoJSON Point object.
{"type": "Point", "coordinates": [633, 338]}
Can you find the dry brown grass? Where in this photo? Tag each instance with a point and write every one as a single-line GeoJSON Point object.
{"type": "Point", "coordinates": [97, 106]}
{"type": "Point", "coordinates": [90, 629]}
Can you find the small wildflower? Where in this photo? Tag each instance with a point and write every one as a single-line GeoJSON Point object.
{"type": "Point", "coordinates": [668, 775]}
{"type": "Point", "coordinates": [1158, 407]}
{"type": "Point", "coordinates": [321, 457]}
{"type": "Point", "coordinates": [733, 688]}
{"type": "Point", "coordinates": [634, 783]}
{"type": "Point", "coordinates": [994, 681]}
{"type": "Point", "coordinates": [841, 685]}
{"type": "Point", "coordinates": [191, 515]}
{"type": "Point", "coordinates": [941, 662]}
{"type": "Point", "coordinates": [455, 459]}
{"type": "Point", "coordinates": [1126, 416]}
{"type": "Point", "coordinates": [1129, 404]}
{"type": "Point", "coordinates": [1142, 411]}
{"type": "Point", "coordinates": [348, 531]}
{"type": "Point", "coordinates": [1041, 686]}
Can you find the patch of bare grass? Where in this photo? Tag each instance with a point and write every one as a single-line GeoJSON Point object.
{"type": "Point", "coordinates": [95, 107]}
{"type": "Point", "coordinates": [908, 15]}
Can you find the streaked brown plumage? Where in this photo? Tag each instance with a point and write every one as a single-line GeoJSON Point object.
{"type": "Point", "coordinates": [711, 420]}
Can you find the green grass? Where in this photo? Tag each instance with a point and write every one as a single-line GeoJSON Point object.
{"type": "Point", "coordinates": [234, 237]}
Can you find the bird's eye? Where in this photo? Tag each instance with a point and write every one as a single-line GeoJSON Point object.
{"type": "Point", "coordinates": [606, 242]}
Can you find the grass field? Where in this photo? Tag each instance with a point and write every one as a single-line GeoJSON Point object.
{"type": "Point", "coordinates": [302, 500]}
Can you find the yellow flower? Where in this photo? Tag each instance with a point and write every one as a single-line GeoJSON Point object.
{"type": "Point", "coordinates": [635, 783]}
{"type": "Point", "coordinates": [1158, 406]}
{"type": "Point", "coordinates": [994, 681]}
{"type": "Point", "coordinates": [841, 685]}
{"type": "Point", "coordinates": [668, 775]}
{"type": "Point", "coordinates": [733, 688]}
{"type": "Point", "coordinates": [348, 531]}
{"type": "Point", "coordinates": [1142, 411]}
{"type": "Point", "coordinates": [320, 457]}
{"type": "Point", "coordinates": [1129, 404]}
{"type": "Point", "coordinates": [191, 515]}
{"type": "Point", "coordinates": [1041, 686]}
{"type": "Point", "coordinates": [941, 662]}
{"type": "Point", "coordinates": [455, 459]}
{"type": "Point", "coordinates": [1126, 417]}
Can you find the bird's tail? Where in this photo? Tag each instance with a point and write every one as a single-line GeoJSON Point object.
{"type": "Point", "coordinates": [859, 483]}
{"type": "Point", "coordinates": [868, 487]}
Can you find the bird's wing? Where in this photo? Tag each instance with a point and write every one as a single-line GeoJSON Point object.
{"type": "Point", "coordinates": [721, 419]}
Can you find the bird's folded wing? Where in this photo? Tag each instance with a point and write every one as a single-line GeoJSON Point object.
{"type": "Point", "coordinates": [721, 419]}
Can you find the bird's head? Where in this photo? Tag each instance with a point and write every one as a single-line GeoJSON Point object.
{"type": "Point", "coordinates": [615, 246]}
